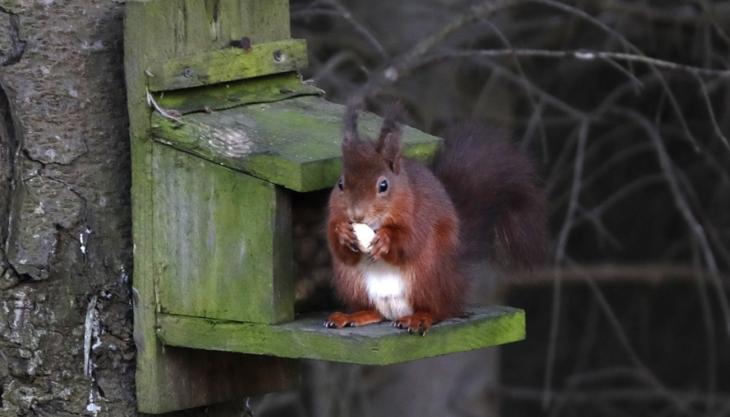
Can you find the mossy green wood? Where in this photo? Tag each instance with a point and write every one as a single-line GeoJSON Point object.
{"type": "Point", "coordinates": [223, 241]}
{"type": "Point", "coordinates": [380, 344]}
{"type": "Point", "coordinates": [294, 143]}
{"type": "Point", "coordinates": [228, 64]}
{"type": "Point", "coordinates": [263, 89]}
{"type": "Point", "coordinates": [172, 379]}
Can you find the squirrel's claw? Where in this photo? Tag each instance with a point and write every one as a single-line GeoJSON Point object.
{"type": "Point", "coordinates": [380, 245]}
{"type": "Point", "coordinates": [417, 323]}
{"type": "Point", "coordinates": [337, 321]}
{"type": "Point", "coordinates": [361, 318]}
{"type": "Point", "coordinates": [346, 236]}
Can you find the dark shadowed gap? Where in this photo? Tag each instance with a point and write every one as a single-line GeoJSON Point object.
{"type": "Point", "coordinates": [8, 149]}
{"type": "Point", "coordinates": [15, 50]}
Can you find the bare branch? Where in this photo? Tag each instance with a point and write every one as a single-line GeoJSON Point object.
{"type": "Point", "coordinates": [340, 11]}
{"type": "Point", "coordinates": [694, 226]}
{"type": "Point", "coordinates": [586, 55]}
{"type": "Point", "coordinates": [711, 111]}
{"type": "Point", "coordinates": [560, 257]}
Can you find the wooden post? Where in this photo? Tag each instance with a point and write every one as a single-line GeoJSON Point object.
{"type": "Point", "coordinates": [155, 31]}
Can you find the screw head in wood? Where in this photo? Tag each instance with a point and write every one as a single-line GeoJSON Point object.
{"type": "Point", "coordinates": [279, 56]}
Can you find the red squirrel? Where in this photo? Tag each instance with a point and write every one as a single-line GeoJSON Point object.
{"type": "Point", "coordinates": [426, 222]}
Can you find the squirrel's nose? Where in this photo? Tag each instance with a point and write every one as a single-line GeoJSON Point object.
{"type": "Point", "coordinates": [357, 215]}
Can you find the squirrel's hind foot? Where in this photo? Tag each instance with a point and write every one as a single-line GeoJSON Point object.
{"type": "Point", "coordinates": [417, 323]}
{"type": "Point", "coordinates": [339, 320]}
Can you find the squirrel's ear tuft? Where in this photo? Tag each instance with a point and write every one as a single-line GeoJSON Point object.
{"type": "Point", "coordinates": [389, 144]}
{"type": "Point", "coordinates": [349, 133]}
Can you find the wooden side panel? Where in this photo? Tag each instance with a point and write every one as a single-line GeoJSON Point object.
{"type": "Point", "coordinates": [154, 31]}
{"type": "Point", "coordinates": [216, 253]}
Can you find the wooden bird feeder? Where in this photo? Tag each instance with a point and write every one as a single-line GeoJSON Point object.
{"type": "Point", "coordinates": [223, 137]}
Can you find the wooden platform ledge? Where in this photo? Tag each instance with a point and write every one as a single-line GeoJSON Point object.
{"type": "Point", "coordinates": [379, 344]}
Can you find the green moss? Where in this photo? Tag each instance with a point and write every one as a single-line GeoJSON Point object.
{"type": "Point", "coordinates": [155, 31]}
{"type": "Point", "coordinates": [207, 67]}
{"type": "Point", "coordinates": [294, 143]}
{"type": "Point", "coordinates": [216, 232]}
{"type": "Point", "coordinates": [373, 345]}
{"type": "Point", "coordinates": [227, 95]}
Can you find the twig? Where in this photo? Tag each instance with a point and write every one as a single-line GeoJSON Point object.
{"type": "Point", "coordinates": [645, 273]}
{"type": "Point", "coordinates": [535, 102]}
{"type": "Point", "coordinates": [636, 82]}
{"type": "Point", "coordinates": [338, 10]}
{"type": "Point", "coordinates": [167, 113]}
{"type": "Point", "coordinates": [627, 189]}
{"type": "Point", "coordinates": [711, 111]}
{"type": "Point", "coordinates": [529, 87]}
{"type": "Point", "coordinates": [584, 55]}
{"type": "Point", "coordinates": [575, 191]}
{"type": "Point", "coordinates": [628, 347]}
{"type": "Point", "coordinates": [631, 47]}
{"type": "Point", "coordinates": [592, 20]}
{"type": "Point", "coordinates": [695, 227]}
{"type": "Point", "coordinates": [709, 332]}
{"type": "Point", "coordinates": [335, 61]}
{"type": "Point", "coordinates": [405, 63]}
{"type": "Point", "coordinates": [594, 218]}
{"type": "Point", "coordinates": [672, 15]}
{"type": "Point", "coordinates": [526, 393]}
{"type": "Point", "coordinates": [560, 256]}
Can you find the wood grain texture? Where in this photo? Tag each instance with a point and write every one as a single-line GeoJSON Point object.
{"type": "Point", "coordinates": [222, 242]}
{"type": "Point", "coordinates": [228, 64]}
{"type": "Point", "coordinates": [294, 143]}
{"type": "Point", "coordinates": [264, 89]}
{"type": "Point", "coordinates": [379, 344]}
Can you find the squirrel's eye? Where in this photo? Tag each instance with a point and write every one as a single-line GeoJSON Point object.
{"type": "Point", "coordinates": [383, 186]}
{"type": "Point", "coordinates": [341, 184]}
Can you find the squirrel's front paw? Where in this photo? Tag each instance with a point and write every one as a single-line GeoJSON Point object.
{"type": "Point", "coordinates": [346, 236]}
{"type": "Point", "coordinates": [381, 244]}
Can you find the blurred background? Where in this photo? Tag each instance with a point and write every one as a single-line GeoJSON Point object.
{"type": "Point", "coordinates": [625, 108]}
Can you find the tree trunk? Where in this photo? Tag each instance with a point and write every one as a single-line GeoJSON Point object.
{"type": "Point", "coordinates": [66, 344]}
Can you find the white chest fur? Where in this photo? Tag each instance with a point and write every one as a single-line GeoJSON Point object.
{"type": "Point", "coordinates": [386, 289]}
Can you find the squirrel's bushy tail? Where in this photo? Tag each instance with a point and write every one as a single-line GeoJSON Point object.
{"type": "Point", "coordinates": [495, 189]}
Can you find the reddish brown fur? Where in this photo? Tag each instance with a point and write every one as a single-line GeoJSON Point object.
{"type": "Point", "coordinates": [416, 223]}
{"type": "Point", "coordinates": [418, 323]}
{"type": "Point", "coordinates": [360, 318]}
{"type": "Point", "coordinates": [495, 190]}
{"type": "Point", "coordinates": [421, 227]}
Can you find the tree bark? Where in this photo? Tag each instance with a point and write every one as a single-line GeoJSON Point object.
{"type": "Point", "coordinates": [66, 344]}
